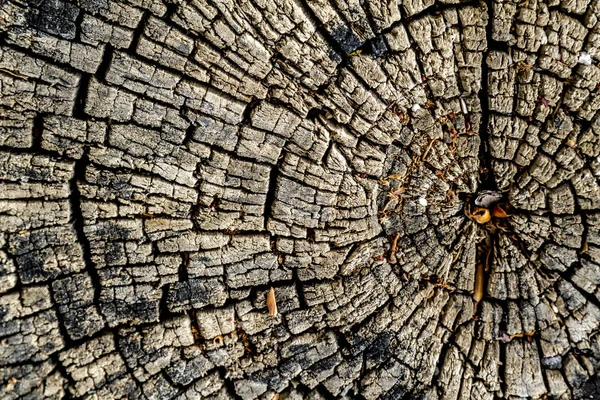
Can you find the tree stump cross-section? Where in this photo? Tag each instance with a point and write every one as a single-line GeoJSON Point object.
{"type": "Point", "coordinates": [300, 199]}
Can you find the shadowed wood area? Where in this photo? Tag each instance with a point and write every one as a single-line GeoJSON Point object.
{"type": "Point", "coordinates": [300, 199]}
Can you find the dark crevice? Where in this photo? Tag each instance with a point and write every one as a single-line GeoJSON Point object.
{"type": "Point", "coordinates": [183, 267]}
{"type": "Point", "coordinates": [78, 22]}
{"type": "Point", "coordinates": [138, 32]}
{"type": "Point", "coordinates": [79, 111]}
{"type": "Point", "coordinates": [78, 223]}
{"type": "Point", "coordinates": [300, 293]}
{"type": "Point", "coordinates": [271, 194]}
{"type": "Point", "coordinates": [38, 126]}
{"type": "Point", "coordinates": [314, 113]}
{"type": "Point", "coordinates": [250, 107]}
{"type": "Point", "coordinates": [494, 45]}
{"type": "Point", "coordinates": [488, 182]}
{"type": "Point", "coordinates": [327, 152]}
{"type": "Point", "coordinates": [105, 64]}
{"type": "Point", "coordinates": [189, 134]}
{"type": "Point", "coordinates": [171, 10]}
{"type": "Point", "coordinates": [164, 313]}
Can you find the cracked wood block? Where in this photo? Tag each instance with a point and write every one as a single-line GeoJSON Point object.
{"type": "Point", "coordinates": [170, 170]}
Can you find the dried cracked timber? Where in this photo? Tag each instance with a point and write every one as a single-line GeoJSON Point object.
{"type": "Point", "coordinates": [163, 165]}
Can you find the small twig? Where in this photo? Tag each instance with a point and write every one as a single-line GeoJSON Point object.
{"type": "Point", "coordinates": [584, 248]}
{"type": "Point", "coordinates": [527, 335]}
{"type": "Point", "coordinates": [13, 74]}
{"type": "Point", "coordinates": [392, 257]}
{"type": "Point", "coordinates": [448, 262]}
{"type": "Point", "coordinates": [458, 253]}
{"type": "Point", "coordinates": [427, 150]}
{"type": "Point", "coordinates": [560, 101]}
{"type": "Point", "coordinates": [393, 196]}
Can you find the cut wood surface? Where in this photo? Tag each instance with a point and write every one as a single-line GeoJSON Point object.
{"type": "Point", "coordinates": [300, 199]}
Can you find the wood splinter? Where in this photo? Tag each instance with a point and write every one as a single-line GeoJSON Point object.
{"type": "Point", "coordinates": [527, 335]}
{"type": "Point", "coordinates": [392, 256]}
{"type": "Point", "coordinates": [271, 304]}
{"type": "Point", "coordinates": [479, 280]}
{"type": "Point", "coordinates": [428, 148]}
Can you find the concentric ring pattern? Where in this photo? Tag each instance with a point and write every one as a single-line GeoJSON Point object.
{"type": "Point", "coordinates": [165, 163]}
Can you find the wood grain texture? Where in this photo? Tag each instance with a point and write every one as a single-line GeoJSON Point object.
{"type": "Point", "coordinates": [274, 199]}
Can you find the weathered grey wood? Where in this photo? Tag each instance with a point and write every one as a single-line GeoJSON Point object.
{"type": "Point", "coordinates": [165, 164]}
